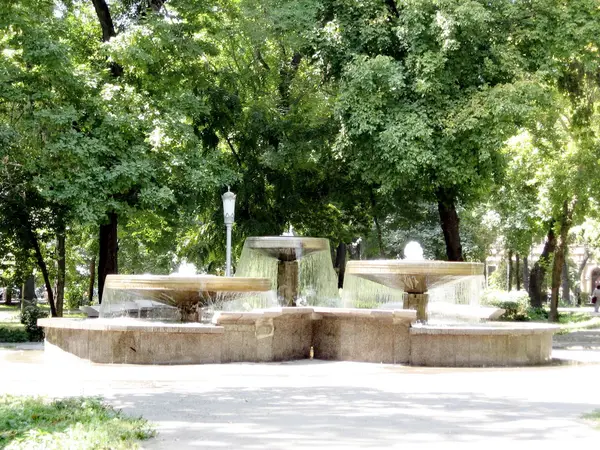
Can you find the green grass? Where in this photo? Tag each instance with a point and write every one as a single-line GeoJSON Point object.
{"type": "Point", "coordinates": [588, 323]}
{"type": "Point", "coordinates": [572, 317]}
{"type": "Point", "coordinates": [46, 307]}
{"type": "Point", "coordinates": [77, 423]}
{"type": "Point", "coordinates": [13, 307]}
{"type": "Point", "coordinates": [593, 417]}
{"type": "Point", "coordinates": [13, 332]}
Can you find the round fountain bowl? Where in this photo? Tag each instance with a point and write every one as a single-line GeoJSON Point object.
{"type": "Point", "coordinates": [183, 290]}
{"type": "Point", "coordinates": [413, 276]}
{"type": "Point", "coordinates": [287, 248]}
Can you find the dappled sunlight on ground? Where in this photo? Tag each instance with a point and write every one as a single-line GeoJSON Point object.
{"type": "Point", "coordinates": [313, 404]}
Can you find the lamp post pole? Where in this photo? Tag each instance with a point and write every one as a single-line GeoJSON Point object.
{"type": "Point", "coordinates": [229, 216]}
{"type": "Point", "coordinates": [228, 257]}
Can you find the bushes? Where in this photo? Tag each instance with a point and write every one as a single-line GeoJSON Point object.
{"type": "Point", "coordinates": [74, 297]}
{"type": "Point", "coordinates": [515, 304]}
{"type": "Point", "coordinates": [29, 318]}
{"type": "Point", "coordinates": [12, 332]}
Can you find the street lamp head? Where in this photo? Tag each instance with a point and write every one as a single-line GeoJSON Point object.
{"type": "Point", "coordinates": [228, 207]}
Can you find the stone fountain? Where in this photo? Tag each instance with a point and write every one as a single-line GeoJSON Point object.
{"type": "Point", "coordinates": [414, 278]}
{"type": "Point", "coordinates": [286, 260]}
{"type": "Point", "coordinates": [162, 320]}
{"type": "Point", "coordinates": [161, 297]}
{"type": "Point", "coordinates": [459, 339]}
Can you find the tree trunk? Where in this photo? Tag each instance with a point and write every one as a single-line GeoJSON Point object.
{"type": "Point", "coordinates": [108, 30]}
{"type": "Point", "coordinates": [340, 262]}
{"type": "Point", "coordinates": [28, 293]}
{"type": "Point", "coordinates": [105, 19]}
{"type": "Point", "coordinates": [509, 271]}
{"type": "Point", "coordinates": [557, 267]}
{"type": "Point", "coordinates": [8, 294]}
{"type": "Point", "coordinates": [525, 274]}
{"type": "Point", "coordinates": [566, 286]}
{"type": "Point", "coordinates": [286, 76]}
{"type": "Point", "coordinates": [379, 236]}
{"type": "Point", "coordinates": [538, 272]}
{"type": "Point", "coordinates": [517, 273]}
{"type": "Point", "coordinates": [42, 265]}
{"type": "Point", "coordinates": [107, 262]}
{"type": "Point", "coordinates": [580, 269]}
{"type": "Point", "coordinates": [559, 259]}
{"type": "Point", "coordinates": [60, 276]}
{"type": "Point", "coordinates": [92, 279]}
{"type": "Point", "coordinates": [450, 226]}
{"type": "Point", "coordinates": [374, 212]}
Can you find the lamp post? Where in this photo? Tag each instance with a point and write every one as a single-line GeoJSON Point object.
{"type": "Point", "coordinates": [229, 216]}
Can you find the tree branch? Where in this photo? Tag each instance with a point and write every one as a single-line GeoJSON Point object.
{"type": "Point", "coordinates": [105, 19]}
{"type": "Point", "coordinates": [261, 60]}
{"type": "Point", "coordinates": [237, 157]}
{"type": "Point", "coordinates": [391, 4]}
{"type": "Point", "coordinates": [108, 31]}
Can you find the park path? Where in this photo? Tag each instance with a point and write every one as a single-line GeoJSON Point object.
{"type": "Point", "coordinates": [317, 404]}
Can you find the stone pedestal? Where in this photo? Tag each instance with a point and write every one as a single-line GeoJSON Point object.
{"type": "Point", "coordinates": [287, 281]}
{"type": "Point", "coordinates": [417, 302]}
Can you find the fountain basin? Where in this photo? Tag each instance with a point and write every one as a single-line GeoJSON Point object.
{"type": "Point", "coordinates": [287, 248]}
{"type": "Point", "coordinates": [368, 335]}
{"type": "Point", "coordinates": [413, 276]}
{"type": "Point", "coordinates": [172, 297]}
{"type": "Point", "coordinates": [280, 334]}
{"type": "Point", "coordinates": [488, 344]}
{"type": "Point", "coordinates": [276, 334]}
{"type": "Point", "coordinates": [132, 341]}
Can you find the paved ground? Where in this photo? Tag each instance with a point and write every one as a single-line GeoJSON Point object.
{"type": "Point", "coordinates": [340, 405]}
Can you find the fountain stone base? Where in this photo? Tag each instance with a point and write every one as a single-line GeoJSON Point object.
{"type": "Point", "coordinates": [287, 281]}
{"type": "Point", "coordinates": [418, 302]}
{"type": "Point", "coordinates": [489, 344]}
{"type": "Point", "coordinates": [122, 341]}
{"type": "Point", "coordinates": [280, 334]}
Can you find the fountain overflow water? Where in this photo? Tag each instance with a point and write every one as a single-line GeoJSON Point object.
{"type": "Point", "coordinates": [300, 268]}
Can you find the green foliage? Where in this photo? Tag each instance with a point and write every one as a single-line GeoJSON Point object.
{"type": "Point", "coordinates": [573, 318]}
{"type": "Point", "coordinates": [579, 323]}
{"type": "Point", "coordinates": [593, 417]}
{"type": "Point", "coordinates": [29, 317]}
{"type": "Point", "coordinates": [499, 279]}
{"type": "Point", "coordinates": [82, 423]}
{"type": "Point", "coordinates": [74, 297]}
{"type": "Point", "coordinates": [515, 304]}
{"type": "Point", "coordinates": [366, 304]}
{"type": "Point", "coordinates": [429, 97]}
{"type": "Point", "coordinates": [13, 332]}
{"type": "Point", "coordinates": [326, 115]}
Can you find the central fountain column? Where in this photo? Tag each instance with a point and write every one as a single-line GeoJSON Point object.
{"type": "Point", "coordinates": [417, 302]}
{"type": "Point", "coordinates": [288, 251]}
{"type": "Point", "coordinates": [287, 281]}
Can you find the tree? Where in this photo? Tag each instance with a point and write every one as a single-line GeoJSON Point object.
{"type": "Point", "coordinates": [429, 92]}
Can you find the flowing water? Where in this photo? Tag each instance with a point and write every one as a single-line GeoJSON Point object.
{"type": "Point", "coordinates": [161, 306]}
{"type": "Point", "coordinates": [317, 279]}
{"type": "Point", "coordinates": [451, 302]}
{"type": "Point", "coordinates": [362, 293]}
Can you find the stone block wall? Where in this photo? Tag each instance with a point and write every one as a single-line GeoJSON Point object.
{"type": "Point", "coordinates": [282, 334]}
{"type": "Point", "coordinates": [498, 345]}
{"type": "Point", "coordinates": [353, 335]}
